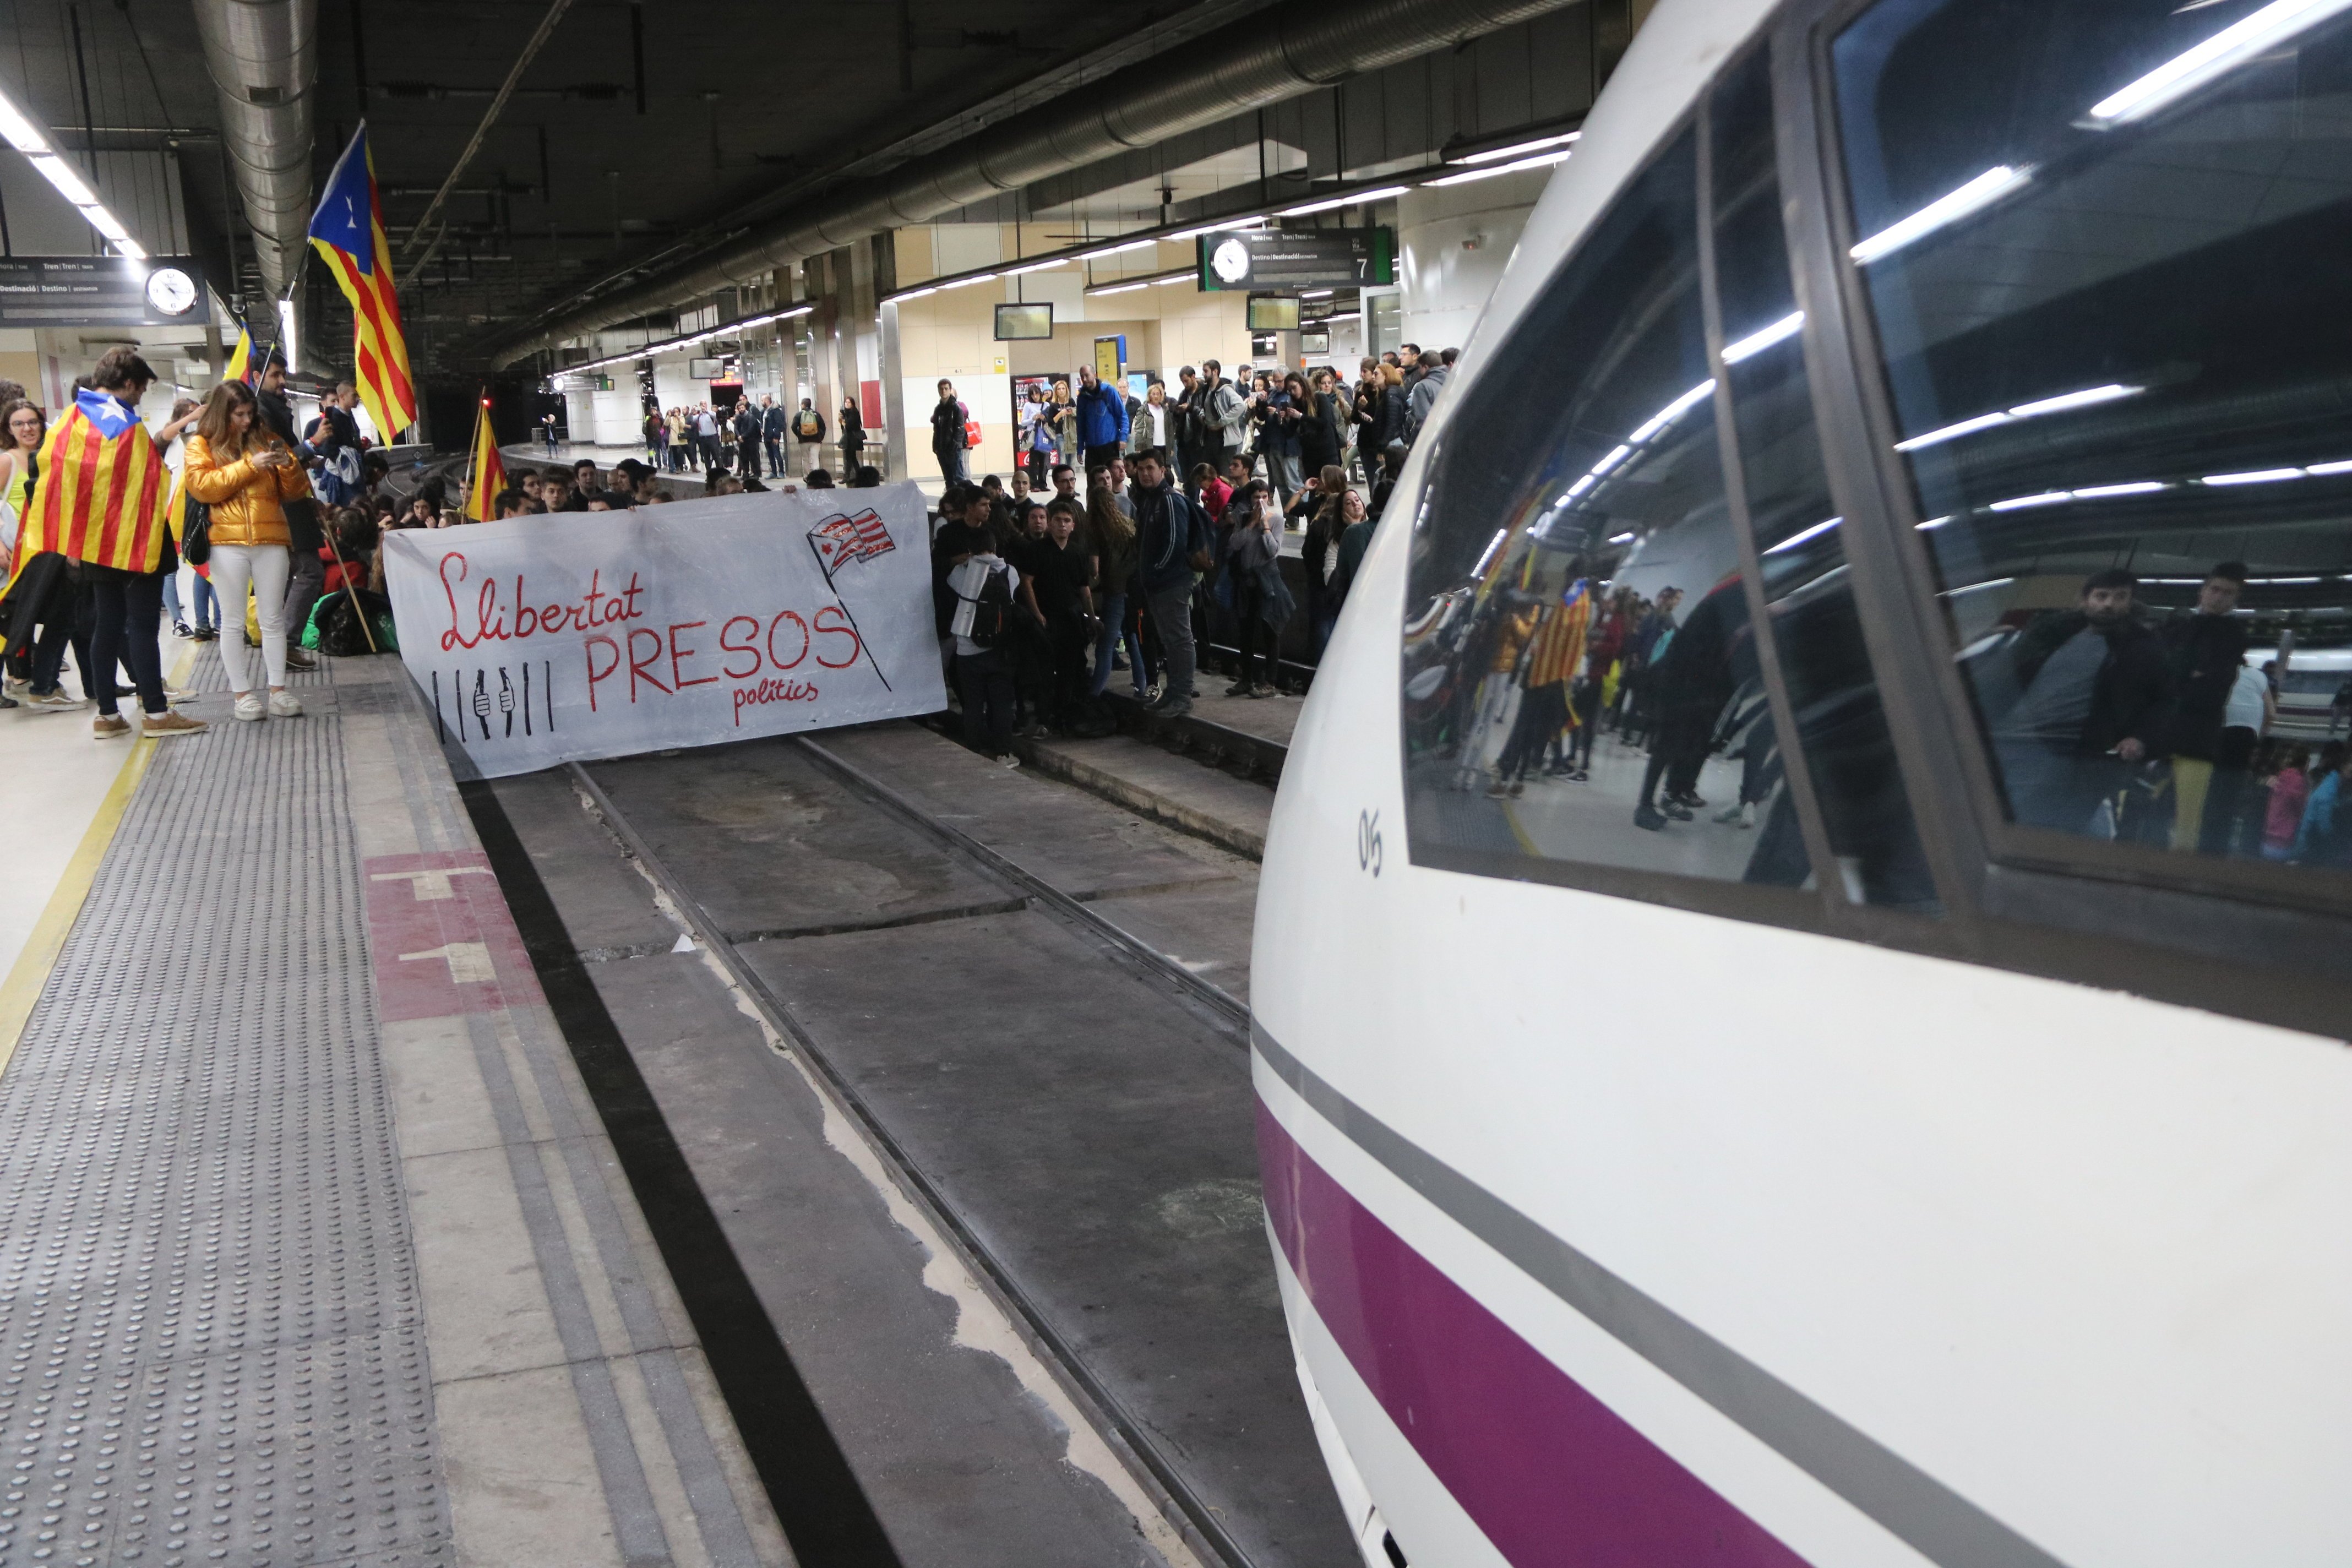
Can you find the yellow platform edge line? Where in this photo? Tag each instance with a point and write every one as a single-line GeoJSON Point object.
{"type": "Point", "coordinates": [30, 973]}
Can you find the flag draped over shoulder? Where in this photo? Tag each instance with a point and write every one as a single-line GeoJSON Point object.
{"type": "Point", "coordinates": [490, 471]}
{"type": "Point", "coordinates": [102, 492]}
{"type": "Point", "coordinates": [347, 232]}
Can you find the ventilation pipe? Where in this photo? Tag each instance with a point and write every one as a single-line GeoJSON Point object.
{"type": "Point", "coordinates": [1265, 59]}
{"type": "Point", "coordinates": [263, 56]}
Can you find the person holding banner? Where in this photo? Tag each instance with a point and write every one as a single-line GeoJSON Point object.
{"type": "Point", "coordinates": [239, 469]}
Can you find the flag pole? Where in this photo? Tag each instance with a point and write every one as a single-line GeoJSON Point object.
{"type": "Point", "coordinates": [845, 615]}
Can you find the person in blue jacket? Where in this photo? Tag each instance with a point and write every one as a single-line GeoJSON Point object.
{"type": "Point", "coordinates": [1102, 419]}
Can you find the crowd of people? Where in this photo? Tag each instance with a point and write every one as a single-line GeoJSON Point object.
{"type": "Point", "coordinates": [231, 482]}
{"type": "Point", "coordinates": [1042, 595]}
{"type": "Point", "coordinates": [1284, 425]}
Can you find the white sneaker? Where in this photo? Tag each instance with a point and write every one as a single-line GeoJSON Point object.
{"type": "Point", "coordinates": [248, 706]}
{"type": "Point", "coordinates": [285, 705]}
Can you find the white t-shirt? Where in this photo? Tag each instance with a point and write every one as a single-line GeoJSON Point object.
{"type": "Point", "coordinates": [2244, 711]}
{"type": "Point", "coordinates": [966, 581]}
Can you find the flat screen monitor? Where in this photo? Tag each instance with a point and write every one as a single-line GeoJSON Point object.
{"type": "Point", "coordinates": [1014, 322]}
{"type": "Point", "coordinates": [1315, 340]}
{"type": "Point", "coordinates": [1273, 313]}
{"type": "Point", "coordinates": [703, 370]}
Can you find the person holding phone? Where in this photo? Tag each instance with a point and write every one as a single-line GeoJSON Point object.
{"type": "Point", "coordinates": [246, 474]}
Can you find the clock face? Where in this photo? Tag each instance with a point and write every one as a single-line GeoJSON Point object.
{"type": "Point", "coordinates": [1231, 259]}
{"type": "Point", "coordinates": [170, 291]}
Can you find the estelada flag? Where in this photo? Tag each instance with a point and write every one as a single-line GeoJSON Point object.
{"type": "Point", "coordinates": [489, 471]}
{"type": "Point", "coordinates": [102, 493]}
{"type": "Point", "coordinates": [347, 232]}
{"type": "Point", "coordinates": [841, 539]}
{"type": "Point", "coordinates": [240, 359]}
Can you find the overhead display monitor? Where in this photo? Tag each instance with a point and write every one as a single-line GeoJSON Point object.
{"type": "Point", "coordinates": [1235, 259]}
{"type": "Point", "coordinates": [1273, 313]}
{"type": "Point", "coordinates": [1015, 322]}
{"type": "Point", "coordinates": [1315, 340]}
{"type": "Point", "coordinates": [704, 370]}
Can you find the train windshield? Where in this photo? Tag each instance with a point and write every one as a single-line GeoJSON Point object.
{"type": "Point", "coordinates": [2107, 250]}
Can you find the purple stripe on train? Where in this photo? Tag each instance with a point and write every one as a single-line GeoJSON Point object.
{"type": "Point", "coordinates": [1554, 1478]}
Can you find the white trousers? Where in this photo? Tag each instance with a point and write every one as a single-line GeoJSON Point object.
{"type": "Point", "coordinates": [263, 567]}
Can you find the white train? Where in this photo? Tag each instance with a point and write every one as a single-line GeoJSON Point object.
{"type": "Point", "coordinates": [1871, 1092]}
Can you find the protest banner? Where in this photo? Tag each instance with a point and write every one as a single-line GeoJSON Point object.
{"type": "Point", "coordinates": [548, 639]}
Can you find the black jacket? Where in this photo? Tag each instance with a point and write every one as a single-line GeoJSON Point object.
{"type": "Point", "coordinates": [2132, 699]}
{"type": "Point", "coordinates": [947, 426]}
{"type": "Point", "coordinates": [2205, 654]}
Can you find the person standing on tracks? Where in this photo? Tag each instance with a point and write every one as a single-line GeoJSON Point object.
{"type": "Point", "coordinates": [239, 469]}
{"type": "Point", "coordinates": [1172, 538]}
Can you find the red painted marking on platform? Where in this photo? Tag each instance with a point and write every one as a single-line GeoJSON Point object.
{"type": "Point", "coordinates": [444, 911]}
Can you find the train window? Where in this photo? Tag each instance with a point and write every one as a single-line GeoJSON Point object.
{"type": "Point", "coordinates": [1799, 539]}
{"type": "Point", "coordinates": [1577, 662]}
{"type": "Point", "coordinates": [2107, 250]}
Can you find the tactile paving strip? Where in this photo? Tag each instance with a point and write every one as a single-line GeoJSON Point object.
{"type": "Point", "coordinates": [211, 1339]}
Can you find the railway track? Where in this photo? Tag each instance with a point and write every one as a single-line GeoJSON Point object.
{"type": "Point", "coordinates": [1113, 1383]}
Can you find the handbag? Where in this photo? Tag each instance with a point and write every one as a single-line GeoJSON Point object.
{"type": "Point", "coordinates": [971, 432]}
{"type": "Point", "coordinates": [196, 532]}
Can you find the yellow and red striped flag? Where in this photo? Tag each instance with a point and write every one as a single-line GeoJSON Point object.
{"type": "Point", "coordinates": [240, 358]}
{"type": "Point", "coordinates": [489, 471]}
{"type": "Point", "coordinates": [102, 491]}
{"type": "Point", "coordinates": [348, 231]}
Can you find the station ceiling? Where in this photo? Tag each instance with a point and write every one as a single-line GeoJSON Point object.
{"type": "Point", "coordinates": [637, 133]}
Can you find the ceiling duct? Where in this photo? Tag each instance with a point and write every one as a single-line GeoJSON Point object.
{"type": "Point", "coordinates": [1265, 59]}
{"type": "Point", "coordinates": [263, 56]}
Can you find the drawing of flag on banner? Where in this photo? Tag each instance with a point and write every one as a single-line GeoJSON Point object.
{"type": "Point", "coordinates": [841, 541]}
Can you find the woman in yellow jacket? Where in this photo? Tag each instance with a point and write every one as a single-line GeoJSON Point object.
{"type": "Point", "coordinates": [245, 475]}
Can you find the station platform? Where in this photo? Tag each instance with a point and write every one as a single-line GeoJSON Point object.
{"type": "Point", "coordinates": [313, 1248]}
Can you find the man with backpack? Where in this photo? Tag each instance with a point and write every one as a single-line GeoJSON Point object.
{"type": "Point", "coordinates": [808, 433]}
{"type": "Point", "coordinates": [1171, 536]}
{"type": "Point", "coordinates": [1222, 416]}
{"type": "Point", "coordinates": [982, 586]}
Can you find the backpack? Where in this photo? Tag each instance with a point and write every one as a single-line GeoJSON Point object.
{"type": "Point", "coordinates": [992, 610]}
{"type": "Point", "coordinates": [804, 423]}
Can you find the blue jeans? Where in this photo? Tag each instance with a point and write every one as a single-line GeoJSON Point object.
{"type": "Point", "coordinates": [1114, 616]}
{"type": "Point", "coordinates": [207, 602]}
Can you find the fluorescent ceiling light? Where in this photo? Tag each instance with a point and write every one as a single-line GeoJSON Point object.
{"type": "Point", "coordinates": [59, 173]}
{"type": "Point", "coordinates": [2254, 477]}
{"type": "Point", "coordinates": [106, 223]}
{"type": "Point", "coordinates": [1116, 250]}
{"type": "Point", "coordinates": [1179, 278]}
{"type": "Point", "coordinates": [1037, 266]}
{"type": "Point", "coordinates": [1976, 587]}
{"type": "Point", "coordinates": [1116, 289]}
{"type": "Point", "coordinates": [2329, 468]}
{"type": "Point", "coordinates": [1538, 145]}
{"type": "Point", "coordinates": [1933, 522]}
{"type": "Point", "coordinates": [1541, 160]}
{"type": "Point", "coordinates": [968, 282]}
{"type": "Point", "coordinates": [1352, 199]}
{"type": "Point", "coordinates": [1344, 316]}
{"type": "Point", "coordinates": [1944, 211]}
{"type": "Point", "coordinates": [1671, 412]}
{"type": "Point", "coordinates": [1755, 344]}
{"type": "Point", "coordinates": [2065, 400]}
{"type": "Point", "coordinates": [2047, 498]}
{"type": "Point", "coordinates": [1615, 456]}
{"type": "Point", "coordinates": [2085, 398]}
{"type": "Point", "coordinates": [2281, 582]}
{"type": "Point", "coordinates": [1620, 538]}
{"type": "Point", "coordinates": [19, 130]}
{"type": "Point", "coordinates": [1222, 225]}
{"type": "Point", "coordinates": [2226, 50]}
{"type": "Point", "coordinates": [2136, 488]}
{"type": "Point", "coordinates": [131, 248]}
{"type": "Point", "coordinates": [1578, 488]}
{"type": "Point", "coordinates": [1316, 294]}
{"type": "Point", "coordinates": [1794, 540]}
